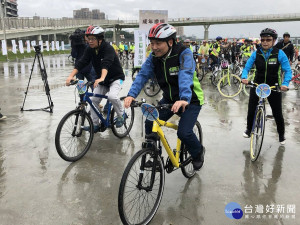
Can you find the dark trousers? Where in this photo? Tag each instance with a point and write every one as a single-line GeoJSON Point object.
{"type": "Point", "coordinates": [215, 60]}
{"type": "Point", "coordinates": [275, 101]}
{"type": "Point", "coordinates": [185, 127]}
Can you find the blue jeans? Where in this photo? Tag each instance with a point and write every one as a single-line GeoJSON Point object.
{"type": "Point", "coordinates": [185, 127]}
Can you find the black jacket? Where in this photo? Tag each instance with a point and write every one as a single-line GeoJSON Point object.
{"type": "Point", "coordinates": [288, 50]}
{"type": "Point", "coordinates": [77, 52]}
{"type": "Point", "coordinates": [267, 71]}
{"type": "Point", "coordinates": [103, 57]}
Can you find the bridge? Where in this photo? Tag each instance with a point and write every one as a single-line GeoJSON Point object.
{"type": "Point", "coordinates": [23, 27]}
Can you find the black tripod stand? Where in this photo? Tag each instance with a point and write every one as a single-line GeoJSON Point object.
{"type": "Point", "coordinates": [39, 56]}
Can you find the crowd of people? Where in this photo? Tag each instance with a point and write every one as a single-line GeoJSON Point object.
{"type": "Point", "coordinates": [98, 61]}
{"type": "Point", "coordinates": [165, 51]}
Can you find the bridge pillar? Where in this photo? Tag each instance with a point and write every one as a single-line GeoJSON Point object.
{"type": "Point", "coordinates": [206, 32]}
{"type": "Point", "coordinates": [117, 35]}
{"type": "Point", "coordinates": [54, 38]}
{"type": "Point", "coordinates": [39, 37]}
{"type": "Point", "coordinates": [114, 34]}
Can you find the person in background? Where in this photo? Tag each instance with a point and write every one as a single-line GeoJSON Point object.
{"type": "Point", "coordinates": [121, 48]}
{"type": "Point", "coordinates": [78, 46]}
{"type": "Point", "coordinates": [115, 47]}
{"type": "Point", "coordinates": [286, 46]}
{"type": "Point", "coordinates": [126, 49]}
{"type": "Point", "coordinates": [187, 43]}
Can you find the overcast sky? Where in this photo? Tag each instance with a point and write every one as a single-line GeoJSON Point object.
{"type": "Point", "coordinates": [129, 9]}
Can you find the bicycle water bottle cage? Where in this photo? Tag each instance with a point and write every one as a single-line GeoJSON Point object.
{"type": "Point", "coordinates": [263, 90]}
{"type": "Point", "coordinates": [81, 87]}
{"type": "Point", "coordinates": [149, 111]}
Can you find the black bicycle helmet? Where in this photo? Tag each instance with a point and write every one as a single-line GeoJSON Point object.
{"type": "Point", "coordinates": [269, 33]}
{"type": "Point", "coordinates": [219, 38]}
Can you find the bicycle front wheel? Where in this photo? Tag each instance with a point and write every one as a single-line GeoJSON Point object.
{"type": "Point", "coordinates": [72, 141]}
{"type": "Point", "coordinates": [151, 88]}
{"type": "Point", "coordinates": [257, 134]}
{"type": "Point", "coordinates": [128, 116]}
{"type": "Point", "coordinates": [188, 170]}
{"type": "Point", "coordinates": [229, 86]}
{"type": "Point", "coordinates": [141, 188]}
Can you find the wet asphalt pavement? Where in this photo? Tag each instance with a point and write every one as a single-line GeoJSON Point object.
{"type": "Point", "coordinates": [38, 187]}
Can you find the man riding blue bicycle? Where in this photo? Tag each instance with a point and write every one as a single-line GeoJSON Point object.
{"type": "Point", "coordinates": [268, 61]}
{"type": "Point", "coordinates": [174, 68]}
{"type": "Point", "coordinates": [109, 72]}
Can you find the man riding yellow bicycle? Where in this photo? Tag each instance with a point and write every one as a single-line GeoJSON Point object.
{"type": "Point", "coordinates": [174, 68]}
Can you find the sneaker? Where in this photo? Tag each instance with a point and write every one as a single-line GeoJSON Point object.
{"type": "Point", "coordinates": [199, 160]}
{"type": "Point", "coordinates": [246, 133]}
{"type": "Point", "coordinates": [119, 121]}
{"type": "Point", "coordinates": [2, 117]}
{"type": "Point", "coordinates": [282, 139]}
{"type": "Point", "coordinates": [96, 128]}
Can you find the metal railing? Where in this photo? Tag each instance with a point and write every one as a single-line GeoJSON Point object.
{"type": "Point", "coordinates": [44, 22]}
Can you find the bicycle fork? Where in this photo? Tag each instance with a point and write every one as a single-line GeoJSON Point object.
{"type": "Point", "coordinates": [153, 167]}
{"type": "Point", "coordinates": [77, 126]}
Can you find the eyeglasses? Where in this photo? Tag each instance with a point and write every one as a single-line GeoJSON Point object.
{"type": "Point", "coordinates": [92, 39]}
{"type": "Point", "coordinates": [266, 39]}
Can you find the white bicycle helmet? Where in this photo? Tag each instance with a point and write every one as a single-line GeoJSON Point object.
{"type": "Point", "coordinates": [162, 31]}
{"type": "Point", "coordinates": [97, 32]}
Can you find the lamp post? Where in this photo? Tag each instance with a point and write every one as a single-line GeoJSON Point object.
{"type": "Point", "coordinates": [3, 24]}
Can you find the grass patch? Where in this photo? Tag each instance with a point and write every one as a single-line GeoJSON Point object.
{"type": "Point", "coordinates": [11, 56]}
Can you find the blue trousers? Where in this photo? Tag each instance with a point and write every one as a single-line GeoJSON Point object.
{"type": "Point", "coordinates": [185, 127]}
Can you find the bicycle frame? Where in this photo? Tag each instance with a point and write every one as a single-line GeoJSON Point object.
{"type": "Point", "coordinates": [157, 124]}
{"type": "Point", "coordinates": [296, 79]}
{"type": "Point", "coordinates": [105, 122]}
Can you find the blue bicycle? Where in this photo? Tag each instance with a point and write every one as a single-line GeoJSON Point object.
{"type": "Point", "coordinates": [75, 132]}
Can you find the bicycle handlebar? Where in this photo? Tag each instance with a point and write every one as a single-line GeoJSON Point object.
{"type": "Point", "coordinates": [276, 87]}
{"type": "Point", "coordinates": [89, 83]}
{"type": "Point", "coordinates": [161, 106]}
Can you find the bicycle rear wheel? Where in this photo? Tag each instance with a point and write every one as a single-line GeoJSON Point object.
{"type": "Point", "coordinates": [188, 170]}
{"type": "Point", "coordinates": [71, 141]}
{"type": "Point", "coordinates": [151, 88]}
{"type": "Point", "coordinates": [257, 134]}
{"type": "Point", "coordinates": [229, 86]}
{"type": "Point", "coordinates": [128, 116]}
{"type": "Point", "coordinates": [141, 188]}
{"type": "Point", "coordinates": [215, 77]}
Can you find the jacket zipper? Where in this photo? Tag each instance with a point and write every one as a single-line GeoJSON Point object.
{"type": "Point", "coordinates": [167, 79]}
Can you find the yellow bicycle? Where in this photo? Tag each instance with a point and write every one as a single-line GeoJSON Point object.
{"type": "Point", "coordinates": [229, 84]}
{"type": "Point", "coordinates": [143, 180]}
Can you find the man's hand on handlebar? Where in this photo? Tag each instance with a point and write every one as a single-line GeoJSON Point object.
{"type": "Point", "coordinates": [69, 79]}
{"type": "Point", "coordinates": [245, 81]}
{"type": "Point", "coordinates": [98, 81]}
{"type": "Point", "coordinates": [284, 88]}
{"type": "Point", "coordinates": [127, 101]}
{"type": "Point", "coordinates": [178, 104]}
